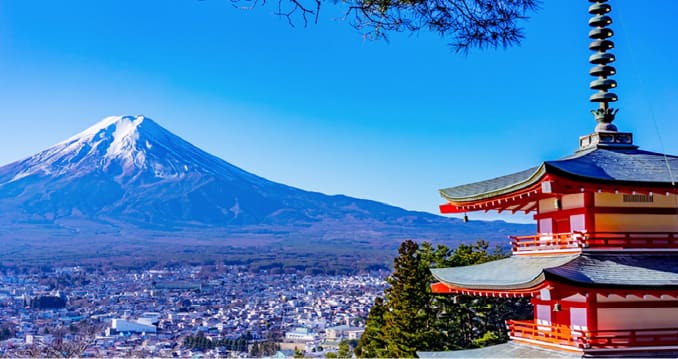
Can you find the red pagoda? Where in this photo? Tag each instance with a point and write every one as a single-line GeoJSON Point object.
{"type": "Point", "coordinates": [602, 269]}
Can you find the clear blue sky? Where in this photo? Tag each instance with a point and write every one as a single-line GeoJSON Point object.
{"type": "Point", "coordinates": [319, 107]}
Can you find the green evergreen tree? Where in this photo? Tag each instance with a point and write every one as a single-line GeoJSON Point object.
{"type": "Point", "coordinates": [372, 344]}
{"type": "Point", "coordinates": [405, 322]}
{"type": "Point", "coordinates": [344, 350]}
{"type": "Point", "coordinates": [436, 321]}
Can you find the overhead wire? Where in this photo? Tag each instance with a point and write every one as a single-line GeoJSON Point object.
{"type": "Point", "coordinates": [643, 91]}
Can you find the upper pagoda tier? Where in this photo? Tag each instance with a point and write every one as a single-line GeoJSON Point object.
{"type": "Point", "coordinates": [598, 168]}
{"type": "Point", "coordinates": [604, 197]}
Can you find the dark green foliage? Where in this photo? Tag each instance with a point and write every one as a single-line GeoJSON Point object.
{"type": "Point", "coordinates": [407, 322]}
{"type": "Point", "coordinates": [6, 332]}
{"type": "Point", "coordinates": [372, 344]}
{"type": "Point", "coordinates": [263, 349]}
{"type": "Point", "coordinates": [48, 302]}
{"type": "Point", "coordinates": [201, 343]}
{"type": "Point", "coordinates": [344, 350]}
{"type": "Point", "coordinates": [198, 342]}
{"type": "Point", "coordinates": [413, 319]}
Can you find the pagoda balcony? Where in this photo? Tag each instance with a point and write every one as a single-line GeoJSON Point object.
{"type": "Point", "coordinates": [549, 335]}
{"type": "Point", "coordinates": [566, 337]}
{"type": "Point", "coordinates": [577, 241]}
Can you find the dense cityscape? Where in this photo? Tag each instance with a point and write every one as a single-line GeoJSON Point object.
{"type": "Point", "coordinates": [183, 311]}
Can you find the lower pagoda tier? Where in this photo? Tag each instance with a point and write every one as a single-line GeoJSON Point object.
{"type": "Point", "coordinates": [590, 303]}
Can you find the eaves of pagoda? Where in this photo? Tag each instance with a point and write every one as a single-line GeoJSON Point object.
{"type": "Point", "coordinates": [643, 273]}
{"type": "Point", "coordinates": [602, 169]}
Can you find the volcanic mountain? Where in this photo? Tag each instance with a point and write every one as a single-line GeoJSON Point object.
{"type": "Point", "coordinates": [129, 177]}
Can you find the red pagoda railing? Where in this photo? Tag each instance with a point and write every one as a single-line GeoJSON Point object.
{"type": "Point", "coordinates": [576, 240]}
{"type": "Point", "coordinates": [616, 339]}
{"type": "Point", "coordinates": [549, 334]}
{"type": "Point", "coordinates": [553, 241]}
{"type": "Point", "coordinates": [599, 339]}
{"type": "Point", "coordinates": [632, 239]}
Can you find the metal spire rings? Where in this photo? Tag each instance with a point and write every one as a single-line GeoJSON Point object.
{"type": "Point", "coordinates": [600, 34]}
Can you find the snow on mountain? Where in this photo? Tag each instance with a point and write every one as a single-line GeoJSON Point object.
{"type": "Point", "coordinates": [129, 147]}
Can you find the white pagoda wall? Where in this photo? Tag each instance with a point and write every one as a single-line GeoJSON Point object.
{"type": "Point", "coordinates": [553, 207]}
{"type": "Point", "coordinates": [609, 222]}
{"type": "Point", "coordinates": [636, 213]}
{"type": "Point", "coordinates": [637, 318]}
{"type": "Point", "coordinates": [637, 221]}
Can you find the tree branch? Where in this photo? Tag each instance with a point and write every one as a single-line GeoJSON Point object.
{"type": "Point", "coordinates": [467, 23]}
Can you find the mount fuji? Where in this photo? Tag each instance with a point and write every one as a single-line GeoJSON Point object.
{"type": "Point", "coordinates": [128, 177]}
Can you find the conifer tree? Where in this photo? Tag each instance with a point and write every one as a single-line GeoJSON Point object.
{"type": "Point", "coordinates": [372, 344]}
{"type": "Point", "coordinates": [405, 321]}
{"type": "Point", "coordinates": [344, 351]}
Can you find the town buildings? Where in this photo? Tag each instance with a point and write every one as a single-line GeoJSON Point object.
{"type": "Point", "coordinates": [112, 313]}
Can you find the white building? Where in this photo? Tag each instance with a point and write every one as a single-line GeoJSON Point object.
{"type": "Point", "coordinates": [126, 326]}
{"type": "Point", "coordinates": [300, 335]}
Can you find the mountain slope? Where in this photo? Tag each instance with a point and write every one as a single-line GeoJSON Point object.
{"type": "Point", "coordinates": [129, 175]}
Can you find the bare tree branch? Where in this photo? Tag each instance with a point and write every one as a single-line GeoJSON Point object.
{"type": "Point", "coordinates": [466, 23]}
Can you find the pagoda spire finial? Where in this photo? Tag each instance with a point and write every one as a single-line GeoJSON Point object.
{"type": "Point", "coordinates": [601, 44]}
{"type": "Point", "coordinates": [605, 134]}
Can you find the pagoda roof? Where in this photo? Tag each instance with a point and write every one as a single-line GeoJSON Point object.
{"type": "Point", "coordinates": [630, 166]}
{"type": "Point", "coordinates": [513, 349]}
{"type": "Point", "coordinates": [494, 187]}
{"type": "Point", "coordinates": [515, 272]}
{"type": "Point", "coordinates": [636, 270]}
{"type": "Point", "coordinates": [620, 270]}
{"type": "Point", "coordinates": [602, 165]}
{"type": "Point", "coordinates": [505, 350]}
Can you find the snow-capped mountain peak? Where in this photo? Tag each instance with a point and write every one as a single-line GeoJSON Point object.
{"type": "Point", "coordinates": [118, 133]}
{"type": "Point", "coordinates": [128, 147]}
{"type": "Point", "coordinates": [111, 144]}
{"type": "Point", "coordinates": [129, 122]}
